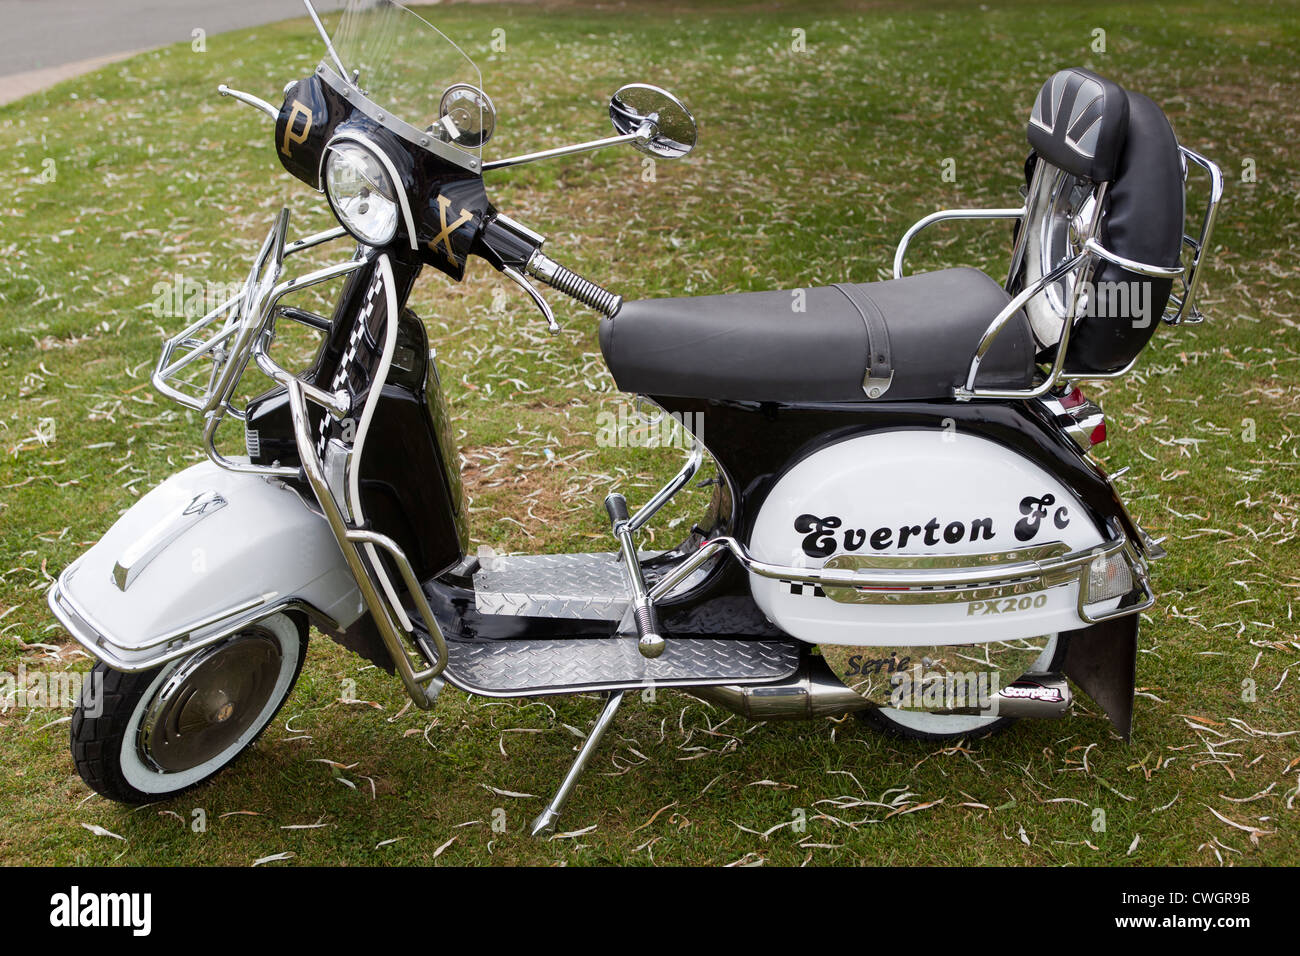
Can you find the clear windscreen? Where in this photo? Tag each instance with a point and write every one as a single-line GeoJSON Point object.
{"type": "Point", "coordinates": [404, 64]}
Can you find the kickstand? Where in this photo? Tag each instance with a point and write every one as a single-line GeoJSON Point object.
{"type": "Point", "coordinates": [545, 821]}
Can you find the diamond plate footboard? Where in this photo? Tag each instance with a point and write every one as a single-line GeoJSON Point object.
{"type": "Point", "coordinates": [589, 587]}
{"type": "Point", "coordinates": [537, 667]}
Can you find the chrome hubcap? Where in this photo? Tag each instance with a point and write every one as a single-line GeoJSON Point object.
{"type": "Point", "coordinates": [210, 701]}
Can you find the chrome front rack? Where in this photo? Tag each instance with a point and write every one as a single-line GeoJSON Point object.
{"type": "Point", "coordinates": [242, 328]}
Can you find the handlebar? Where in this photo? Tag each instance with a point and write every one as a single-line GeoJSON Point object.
{"type": "Point", "coordinates": [517, 251]}
{"type": "Point", "coordinates": [254, 101]}
{"type": "Point", "coordinates": [543, 267]}
{"type": "Point", "coordinates": [510, 246]}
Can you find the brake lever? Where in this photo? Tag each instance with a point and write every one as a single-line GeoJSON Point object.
{"type": "Point", "coordinates": [541, 303]}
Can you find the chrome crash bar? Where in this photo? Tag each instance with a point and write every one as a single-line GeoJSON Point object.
{"type": "Point", "coordinates": [176, 643]}
{"type": "Point", "coordinates": [246, 331]}
{"type": "Point", "coordinates": [906, 578]}
{"type": "Point", "coordinates": [422, 682]}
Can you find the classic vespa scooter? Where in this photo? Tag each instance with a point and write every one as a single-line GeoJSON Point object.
{"type": "Point", "coordinates": [905, 525]}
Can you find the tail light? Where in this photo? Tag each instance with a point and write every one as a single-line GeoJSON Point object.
{"type": "Point", "coordinates": [1082, 419]}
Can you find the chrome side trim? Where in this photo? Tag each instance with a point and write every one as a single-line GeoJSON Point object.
{"type": "Point", "coordinates": [948, 595]}
{"type": "Point", "coordinates": [865, 562]}
{"type": "Point", "coordinates": [1034, 574]}
{"type": "Point", "coordinates": [175, 644]}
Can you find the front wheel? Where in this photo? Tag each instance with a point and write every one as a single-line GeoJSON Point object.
{"type": "Point", "coordinates": [139, 738]}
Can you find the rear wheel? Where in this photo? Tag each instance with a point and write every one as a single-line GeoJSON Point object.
{"type": "Point", "coordinates": [143, 737]}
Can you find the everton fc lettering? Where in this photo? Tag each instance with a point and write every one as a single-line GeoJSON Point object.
{"type": "Point", "coordinates": [1036, 510]}
{"type": "Point", "coordinates": [822, 537]}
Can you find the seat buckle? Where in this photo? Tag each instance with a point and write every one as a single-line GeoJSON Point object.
{"type": "Point", "coordinates": [875, 385]}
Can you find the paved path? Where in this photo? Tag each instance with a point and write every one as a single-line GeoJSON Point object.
{"type": "Point", "coordinates": [43, 42]}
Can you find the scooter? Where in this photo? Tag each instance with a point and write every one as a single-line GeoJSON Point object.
{"type": "Point", "coordinates": [905, 522]}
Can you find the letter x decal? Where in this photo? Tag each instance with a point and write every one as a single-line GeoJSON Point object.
{"type": "Point", "coordinates": [444, 238]}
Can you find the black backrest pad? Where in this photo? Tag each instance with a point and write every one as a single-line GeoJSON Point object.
{"type": "Point", "coordinates": [1144, 221]}
{"type": "Point", "coordinates": [1078, 123]}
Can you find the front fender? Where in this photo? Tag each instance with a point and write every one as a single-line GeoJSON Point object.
{"type": "Point", "coordinates": [198, 557]}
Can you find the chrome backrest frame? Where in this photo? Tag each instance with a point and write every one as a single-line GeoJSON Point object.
{"type": "Point", "coordinates": [1182, 307]}
{"type": "Point", "coordinates": [1185, 310]}
{"type": "Point", "coordinates": [944, 215]}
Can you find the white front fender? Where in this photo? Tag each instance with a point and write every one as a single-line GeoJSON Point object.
{"type": "Point", "coordinates": [198, 557]}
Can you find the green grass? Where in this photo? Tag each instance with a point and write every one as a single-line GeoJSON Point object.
{"type": "Point", "coordinates": [810, 166]}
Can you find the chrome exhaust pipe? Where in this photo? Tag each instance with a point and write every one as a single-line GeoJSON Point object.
{"type": "Point", "coordinates": [814, 691]}
{"type": "Point", "coordinates": [1034, 695]}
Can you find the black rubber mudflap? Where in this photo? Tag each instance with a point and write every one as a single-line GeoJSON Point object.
{"type": "Point", "coordinates": [1102, 660]}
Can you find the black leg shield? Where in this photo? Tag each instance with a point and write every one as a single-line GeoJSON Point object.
{"type": "Point", "coordinates": [1102, 660]}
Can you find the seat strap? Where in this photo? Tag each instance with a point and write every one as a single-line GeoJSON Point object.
{"type": "Point", "coordinates": [879, 371]}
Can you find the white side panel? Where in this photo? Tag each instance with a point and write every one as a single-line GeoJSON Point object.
{"type": "Point", "coordinates": [914, 492]}
{"type": "Point", "coordinates": [262, 544]}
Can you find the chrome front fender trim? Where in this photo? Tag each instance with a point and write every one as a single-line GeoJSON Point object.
{"type": "Point", "coordinates": [178, 643]}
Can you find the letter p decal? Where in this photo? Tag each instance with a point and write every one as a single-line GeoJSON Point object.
{"type": "Point", "coordinates": [298, 110]}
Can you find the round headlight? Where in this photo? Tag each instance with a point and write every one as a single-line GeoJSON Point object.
{"type": "Point", "coordinates": [361, 193]}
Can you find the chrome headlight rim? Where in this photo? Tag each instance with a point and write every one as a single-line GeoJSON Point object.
{"type": "Point", "coordinates": [389, 177]}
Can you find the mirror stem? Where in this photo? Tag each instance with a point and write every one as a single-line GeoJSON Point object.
{"type": "Point", "coordinates": [645, 132]}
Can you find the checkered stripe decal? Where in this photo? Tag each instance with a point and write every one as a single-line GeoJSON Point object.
{"type": "Point", "coordinates": [801, 588]}
{"type": "Point", "coordinates": [363, 323]}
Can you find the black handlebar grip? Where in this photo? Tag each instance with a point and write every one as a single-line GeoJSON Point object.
{"type": "Point", "coordinates": [616, 508]}
{"type": "Point", "coordinates": [570, 283]}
